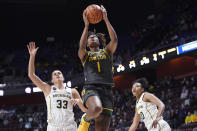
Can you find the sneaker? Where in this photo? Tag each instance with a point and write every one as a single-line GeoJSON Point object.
{"type": "Point", "coordinates": [84, 125]}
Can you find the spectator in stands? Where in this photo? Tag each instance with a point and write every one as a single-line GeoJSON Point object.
{"type": "Point", "coordinates": [184, 93]}
{"type": "Point", "coordinates": [162, 95]}
{"type": "Point", "coordinates": [141, 127]}
{"type": "Point", "coordinates": [170, 93]}
{"type": "Point", "coordinates": [194, 93]}
{"type": "Point", "coordinates": [194, 116]}
{"type": "Point", "coordinates": [120, 124]}
{"type": "Point", "coordinates": [188, 118]}
{"type": "Point", "coordinates": [187, 102]}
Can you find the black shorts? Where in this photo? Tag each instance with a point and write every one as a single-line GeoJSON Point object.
{"type": "Point", "coordinates": [104, 92]}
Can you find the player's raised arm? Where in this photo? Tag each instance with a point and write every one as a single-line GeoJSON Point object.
{"type": "Point", "coordinates": [111, 47]}
{"type": "Point", "coordinates": [77, 100]}
{"type": "Point", "coordinates": [135, 123]}
{"type": "Point", "coordinates": [153, 99]}
{"type": "Point", "coordinates": [83, 41]}
{"type": "Point", "coordinates": [31, 69]}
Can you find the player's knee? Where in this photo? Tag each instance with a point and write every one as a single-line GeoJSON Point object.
{"type": "Point", "coordinates": [96, 111]}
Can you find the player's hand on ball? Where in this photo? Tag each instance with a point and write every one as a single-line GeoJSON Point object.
{"type": "Point", "coordinates": [73, 102]}
{"type": "Point", "coordinates": [104, 13]}
{"type": "Point", "coordinates": [32, 48]}
{"type": "Point", "coordinates": [154, 125]}
{"type": "Point", "coordinates": [85, 19]}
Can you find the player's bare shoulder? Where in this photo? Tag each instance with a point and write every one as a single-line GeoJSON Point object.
{"type": "Point", "coordinates": [47, 89]}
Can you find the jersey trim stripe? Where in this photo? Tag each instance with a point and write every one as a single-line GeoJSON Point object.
{"type": "Point", "coordinates": [152, 116]}
{"type": "Point", "coordinates": [50, 114]}
{"type": "Point", "coordinates": [86, 59]}
{"type": "Point", "coordinates": [106, 53]}
{"type": "Point", "coordinates": [99, 68]}
{"type": "Point", "coordinates": [159, 126]}
{"type": "Point", "coordinates": [107, 109]}
{"type": "Point", "coordinates": [149, 111]}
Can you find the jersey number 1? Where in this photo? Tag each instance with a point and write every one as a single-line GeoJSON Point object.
{"type": "Point", "coordinates": [99, 68]}
{"type": "Point", "coordinates": [62, 104]}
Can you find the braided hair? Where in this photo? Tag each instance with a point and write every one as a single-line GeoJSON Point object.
{"type": "Point", "coordinates": [101, 37]}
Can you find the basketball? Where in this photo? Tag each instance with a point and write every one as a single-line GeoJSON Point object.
{"type": "Point", "coordinates": [94, 13]}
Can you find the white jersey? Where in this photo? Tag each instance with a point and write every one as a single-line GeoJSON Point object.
{"type": "Point", "coordinates": [60, 111]}
{"type": "Point", "coordinates": [148, 112]}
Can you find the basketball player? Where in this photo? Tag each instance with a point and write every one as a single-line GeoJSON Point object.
{"type": "Point", "coordinates": [60, 100]}
{"type": "Point", "coordinates": [148, 108]}
{"type": "Point", "coordinates": [97, 63]}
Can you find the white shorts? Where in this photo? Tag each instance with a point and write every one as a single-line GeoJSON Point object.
{"type": "Point", "coordinates": [161, 126]}
{"type": "Point", "coordinates": [52, 127]}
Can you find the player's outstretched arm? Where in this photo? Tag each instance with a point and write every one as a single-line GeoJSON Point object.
{"type": "Point", "coordinates": [31, 69]}
{"type": "Point", "coordinates": [77, 100]}
{"type": "Point", "coordinates": [111, 47]}
{"type": "Point", "coordinates": [153, 99]}
{"type": "Point", "coordinates": [83, 41]}
{"type": "Point", "coordinates": [135, 123]}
